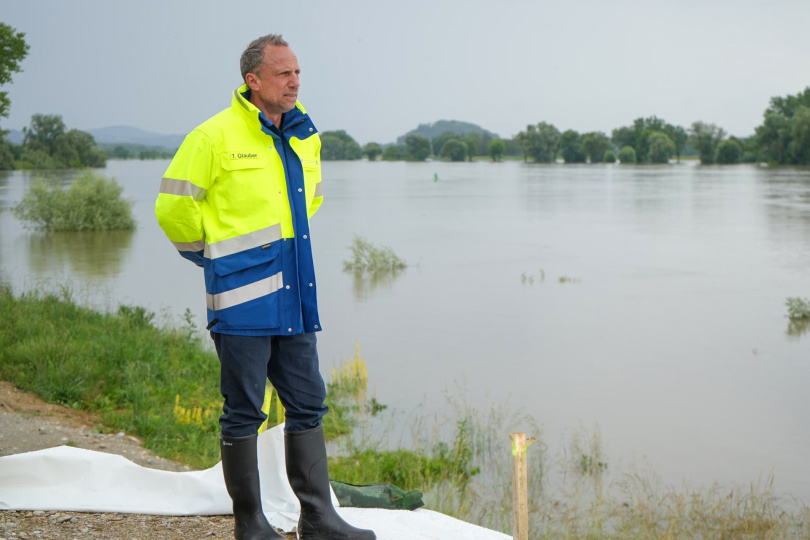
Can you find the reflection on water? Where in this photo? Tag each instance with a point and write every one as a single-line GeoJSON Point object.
{"type": "Point", "coordinates": [4, 181]}
{"type": "Point", "coordinates": [91, 254]}
{"type": "Point", "coordinates": [364, 283]}
{"type": "Point", "coordinates": [798, 327]}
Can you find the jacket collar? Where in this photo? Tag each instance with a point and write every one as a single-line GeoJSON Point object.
{"type": "Point", "coordinates": [241, 103]}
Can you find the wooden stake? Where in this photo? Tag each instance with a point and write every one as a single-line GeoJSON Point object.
{"type": "Point", "coordinates": [520, 486]}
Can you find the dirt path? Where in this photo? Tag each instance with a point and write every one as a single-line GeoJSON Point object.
{"type": "Point", "coordinates": [27, 424]}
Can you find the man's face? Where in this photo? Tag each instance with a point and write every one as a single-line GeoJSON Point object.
{"type": "Point", "coordinates": [274, 86]}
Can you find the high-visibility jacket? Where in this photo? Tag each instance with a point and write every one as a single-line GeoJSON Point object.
{"type": "Point", "coordinates": [236, 200]}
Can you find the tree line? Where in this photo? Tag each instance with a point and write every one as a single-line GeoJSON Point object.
{"type": "Point", "coordinates": [137, 151]}
{"type": "Point", "coordinates": [48, 144]}
{"type": "Point", "coordinates": [339, 145]}
{"type": "Point", "coordinates": [783, 138]}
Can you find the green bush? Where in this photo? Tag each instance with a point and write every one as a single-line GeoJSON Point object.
{"type": "Point", "coordinates": [609, 157]}
{"type": "Point", "coordinates": [91, 202]}
{"type": "Point", "coordinates": [627, 155]}
{"type": "Point", "coordinates": [728, 151]}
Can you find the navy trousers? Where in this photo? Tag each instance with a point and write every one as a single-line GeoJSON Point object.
{"type": "Point", "coordinates": [291, 364]}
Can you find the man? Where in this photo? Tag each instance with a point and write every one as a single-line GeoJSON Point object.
{"type": "Point", "coordinates": [236, 200]}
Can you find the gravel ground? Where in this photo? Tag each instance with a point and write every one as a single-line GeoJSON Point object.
{"type": "Point", "coordinates": [27, 424]}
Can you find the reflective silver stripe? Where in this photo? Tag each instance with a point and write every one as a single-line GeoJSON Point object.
{"type": "Point", "coordinates": [190, 246]}
{"type": "Point", "coordinates": [240, 99]}
{"type": "Point", "coordinates": [318, 190]}
{"type": "Point", "coordinates": [184, 188]}
{"type": "Point", "coordinates": [243, 242]}
{"type": "Point", "coordinates": [240, 295]}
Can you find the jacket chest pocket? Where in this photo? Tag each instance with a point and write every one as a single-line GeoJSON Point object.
{"type": "Point", "coordinates": [310, 165]}
{"type": "Point", "coordinates": [243, 161]}
{"type": "Point", "coordinates": [245, 185]}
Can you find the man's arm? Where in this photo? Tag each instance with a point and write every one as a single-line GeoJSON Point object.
{"type": "Point", "coordinates": [182, 190]}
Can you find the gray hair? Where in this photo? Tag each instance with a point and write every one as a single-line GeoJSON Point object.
{"type": "Point", "coordinates": [253, 56]}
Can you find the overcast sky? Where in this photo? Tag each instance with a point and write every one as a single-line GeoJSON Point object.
{"type": "Point", "coordinates": [378, 69]}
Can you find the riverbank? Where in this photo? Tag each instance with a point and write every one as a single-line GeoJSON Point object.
{"type": "Point", "coordinates": [28, 424]}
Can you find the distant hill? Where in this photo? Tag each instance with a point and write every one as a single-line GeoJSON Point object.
{"type": "Point", "coordinates": [444, 126]}
{"type": "Point", "coordinates": [123, 135]}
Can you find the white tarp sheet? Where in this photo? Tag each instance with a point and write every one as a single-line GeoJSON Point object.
{"type": "Point", "coordinates": [72, 479]}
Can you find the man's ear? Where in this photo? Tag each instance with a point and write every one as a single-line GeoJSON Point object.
{"type": "Point", "coordinates": [252, 81]}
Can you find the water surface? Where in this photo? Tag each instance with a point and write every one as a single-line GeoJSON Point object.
{"type": "Point", "coordinates": [668, 330]}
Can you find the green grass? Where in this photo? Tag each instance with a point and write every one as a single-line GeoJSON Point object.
{"type": "Point", "coordinates": [92, 202]}
{"type": "Point", "coordinates": [161, 384]}
{"type": "Point", "coordinates": [368, 258]}
{"type": "Point", "coordinates": [118, 365]}
{"type": "Point", "coordinates": [409, 469]}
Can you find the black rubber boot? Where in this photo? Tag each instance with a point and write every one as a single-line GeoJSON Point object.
{"type": "Point", "coordinates": [241, 471]}
{"type": "Point", "coordinates": [308, 473]}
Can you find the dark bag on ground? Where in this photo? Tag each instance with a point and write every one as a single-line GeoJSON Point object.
{"type": "Point", "coordinates": [387, 496]}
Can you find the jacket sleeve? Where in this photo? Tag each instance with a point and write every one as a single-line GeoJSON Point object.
{"type": "Point", "coordinates": [317, 198]}
{"type": "Point", "coordinates": [182, 191]}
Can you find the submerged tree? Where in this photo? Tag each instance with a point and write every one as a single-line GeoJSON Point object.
{"type": "Point", "coordinates": [454, 150]}
{"type": "Point", "coordinates": [661, 148]}
{"type": "Point", "coordinates": [679, 138]}
{"type": "Point", "coordinates": [640, 135]}
{"type": "Point", "coordinates": [417, 147]}
{"type": "Point", "coordinates": [496, 149]}
{"type": "Point", "coordinates": [596, 144]}
{"type": "Point", "coordinates": [48, 145]}
{"type": "Point", "coordinates": [571, 148]}
{"type": "Point", "coordinates": [705, 138]}
{"type": "Point", "coordinates": [784, 136]}
{"type": "Point", "coordinates": [728, 152]}
{"type": "Point", "coordinates": [627, 155]}
{"type": "Point", "coordinates": [372, 150]}
{"type": "Point", "coordinates": [540, 142]}
{"type": "Point", "coordinates": [393, 153]}
{"type": "Point", "coordinates": [337, 145]}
